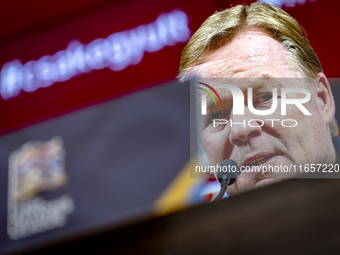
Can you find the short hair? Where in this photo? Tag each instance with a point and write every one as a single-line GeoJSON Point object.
{"type": "Point", "coordinates": [222, 27]}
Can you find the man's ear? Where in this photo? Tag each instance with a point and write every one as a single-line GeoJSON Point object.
{"type": "Point", "coordinates": [325, 99]}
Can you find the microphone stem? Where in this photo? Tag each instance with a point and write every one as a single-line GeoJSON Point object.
{"type": "Point", "coordinates": [222, 191]}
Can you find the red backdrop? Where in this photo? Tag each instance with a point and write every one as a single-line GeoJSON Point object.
{"type": "Point", "coordinates": [31, 30]}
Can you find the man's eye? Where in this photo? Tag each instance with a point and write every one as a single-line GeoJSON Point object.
{"type": "Point", "coordinates": [216, 115]}
{"type": "Point", "coordinates": [219, 115]}
{"type": "Point", "coordinates": [262, 98]}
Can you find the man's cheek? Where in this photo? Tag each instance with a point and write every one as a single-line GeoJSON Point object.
{"type": "Point", "coordinates": [213, 147]}
{"type": "Point", "coordinates": [241, 185]}
{"type": "Point", "coordinates": [208, 146]}
{"type": "Point", "coordinates": [293, 110]}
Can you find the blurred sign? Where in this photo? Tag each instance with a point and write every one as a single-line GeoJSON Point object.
{"type": "Point", "coordinates": [286, 3]}
{"type": "Point", "coordinates": [91, 169]}
{"type": "Point", "coordinates": [117, 51]}
{"type": "Point", "coordinates": [132, 46]}
{"type": "Point", "coordinates": [33, 168]}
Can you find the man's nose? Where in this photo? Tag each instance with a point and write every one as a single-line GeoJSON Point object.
{"type": "Point", "coordinates": [244, 128]}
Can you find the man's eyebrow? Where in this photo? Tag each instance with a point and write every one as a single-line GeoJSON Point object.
{"type": "Point", "coordinates": [265, 82]}
{"type": "Point", "coordinates": [226, 100]}
{"type": "Point", "coordinates": [213, 90]}
{"type": "Point", "coordinates": [255, 83]}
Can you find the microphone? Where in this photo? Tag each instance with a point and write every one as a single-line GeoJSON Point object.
{"type": "Point", "coordinates": [226, 174]}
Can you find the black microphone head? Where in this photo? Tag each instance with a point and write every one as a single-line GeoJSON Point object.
{"type": "Point", "coordinates": [228, 169]}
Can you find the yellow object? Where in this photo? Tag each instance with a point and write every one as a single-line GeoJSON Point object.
{"type": "Point", "coordinates": [176, 195]}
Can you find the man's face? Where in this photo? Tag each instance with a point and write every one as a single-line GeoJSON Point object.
{"type": "Point", "coordinates": [254, 54]}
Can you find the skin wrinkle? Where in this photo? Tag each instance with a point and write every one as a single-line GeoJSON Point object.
{"type": "Point", "coordinates": [295, 145]}
{"type": "Point", "coordinates": [217, 69]}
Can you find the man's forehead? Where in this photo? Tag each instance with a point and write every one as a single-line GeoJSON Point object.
{"type": "Point", "coordinates": [244, 83]}
{"type": "Point", "coordinates": [250, 54]}
{"type": "Point", "coordinates": [251, 43]}
{"type": "Point", "coordinates": [255, 67]}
